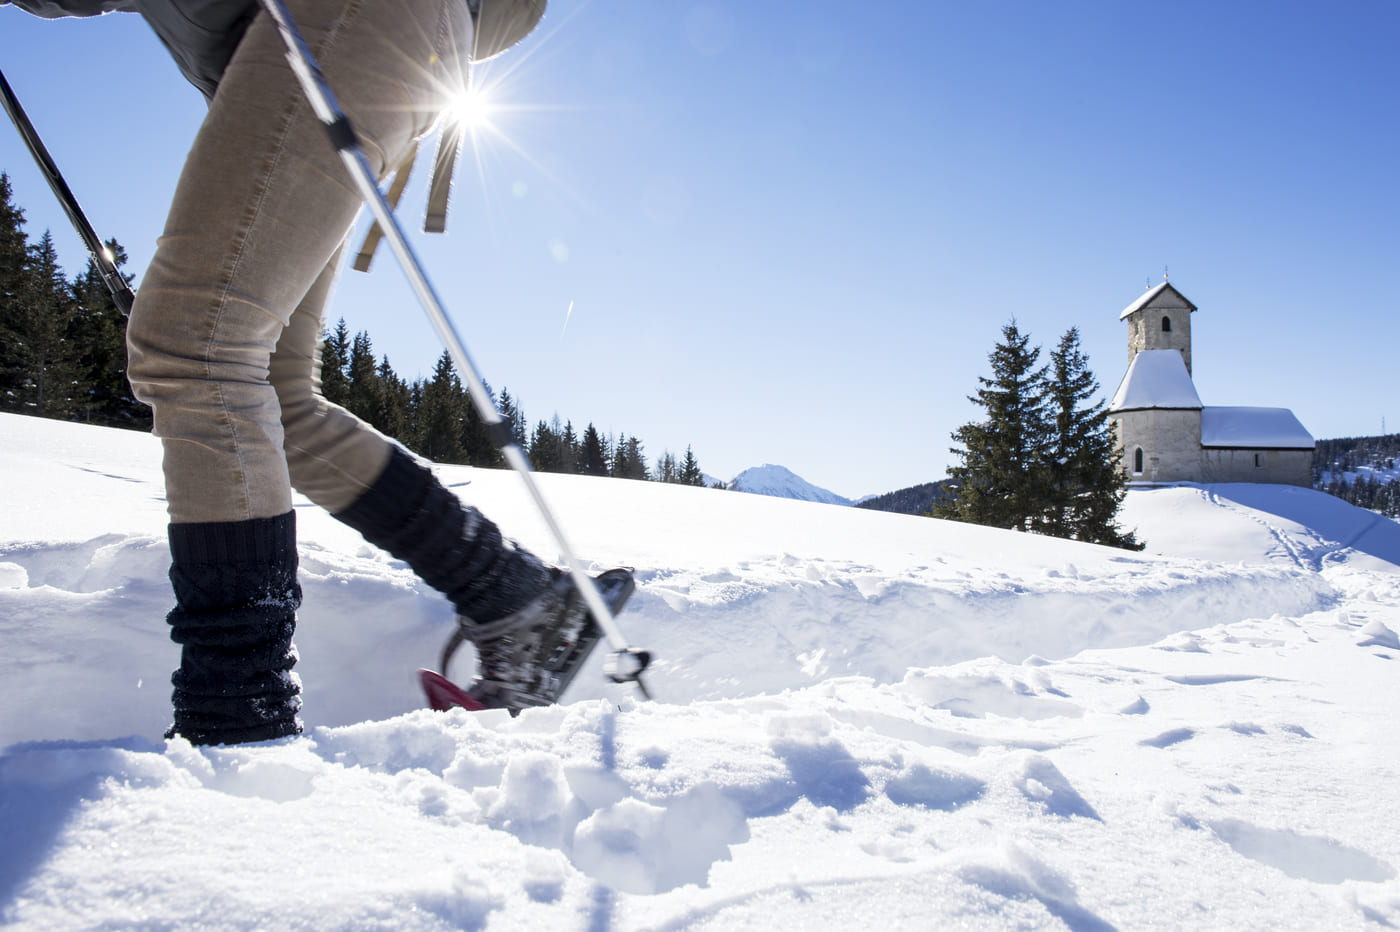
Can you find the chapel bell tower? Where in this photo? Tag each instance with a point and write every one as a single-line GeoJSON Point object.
{"type": "Point", "coordinates": [1159, 320]}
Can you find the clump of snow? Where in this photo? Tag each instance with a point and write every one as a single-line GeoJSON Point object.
{"type": "Point", "coordinates": [860, 717]}
{"type": "Point", "coordinates": [1375, 632]}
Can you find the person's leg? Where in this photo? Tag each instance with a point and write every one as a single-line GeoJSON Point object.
{"type": "Point", "coordinates": [260, 210]}
{"type": "Point", "coordinates": [332, 456]}
{"type": "Point", "coordinates": [368, 482]}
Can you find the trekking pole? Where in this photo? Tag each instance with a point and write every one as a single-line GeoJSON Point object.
{"type": "Point", "coordinates": [122, 295]}
{"type": "Point", "coordinates": [627, 663]}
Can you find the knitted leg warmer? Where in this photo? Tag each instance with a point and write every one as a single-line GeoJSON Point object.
{"type": "Point", "coordinates": [236, 595]}
{"type": "Point", "coordinates": [453, 548]}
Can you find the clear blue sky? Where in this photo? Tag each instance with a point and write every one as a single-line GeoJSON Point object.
{"type": "Point", "coordinates": [791, 232]}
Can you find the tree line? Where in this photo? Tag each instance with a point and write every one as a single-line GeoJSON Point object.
{"type": "Point", "coordinates": [435, 418]}
{"type": "Point", "coordinates": [1043, 458]}
{"type": "Point", "coordinates": [1371, 461]}
{"type": "Point", "coordinates": [63, 356]}
{"type": "Point", "coordinates": [62, 341]}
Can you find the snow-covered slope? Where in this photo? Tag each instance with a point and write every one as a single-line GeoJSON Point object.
{"type": "Point", "coordinates": [861, 718]}
{"type": "Point", "coordinates": [781, 482]}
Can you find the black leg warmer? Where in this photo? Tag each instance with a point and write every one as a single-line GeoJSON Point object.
{"type": "Point", "coordinates": [236, 595]}
{"type": "Point", "coordinates": [453, 548]}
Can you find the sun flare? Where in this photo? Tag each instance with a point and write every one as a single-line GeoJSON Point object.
{"type": "Point", "coordinates": [472, 109]}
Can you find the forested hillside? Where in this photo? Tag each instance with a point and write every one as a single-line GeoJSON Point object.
{"type": "Point", "coordinates": [1361, 470]}
{"type": "Point", "coordinates": [915, 500]}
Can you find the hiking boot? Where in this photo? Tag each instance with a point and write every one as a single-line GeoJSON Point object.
{"type": "Point", "coordinates": [529, 657]}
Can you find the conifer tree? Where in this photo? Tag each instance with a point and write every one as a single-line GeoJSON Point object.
{"type": "Point", "coordinates": [440, 415]}
{"type": "Point", "coordinates": [364, 394]}
{"type": "Point", "coordinates": [690, 470]}
{"type": "Point", "coordinates": [394, 393]}
{"type": "Point", "coordinates": [568, 447]}
{"type": "Point", "coordinates": [335, 362]}
{"type": "Point", "coordinates": [14, 261]}
{"type": "Point", "coordinates": [478, 445]}
{"type": "Point", "coordinates": [629, 462]}
{"type": "Point", "coordinates": [1085, 479]}
{"type": "Point", "coordinates": [41, 356]}
{"type": "Point", "coordinates": [593, 459]}
{"type": "Point", "coordinates": [1001, 481]}
{"type": "Point", "coordinates": [99, 336]}
{"type": "Point", "coordinates": [512, 414]}
{"type": "Point", "coordinates": [544, 449]}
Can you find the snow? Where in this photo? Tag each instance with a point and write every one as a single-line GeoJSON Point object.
{"type": "Point", "coordinates": [781, 482]}
{"type": "Point", "coordinates": [1156, 379]}
{"type": "Point", "coordinates": [861, 718]}
{"type": "Point", "coordinates": [1271, 428]}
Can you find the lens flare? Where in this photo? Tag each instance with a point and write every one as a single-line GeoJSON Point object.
{"type": "Point", "coordinates": [472, 109]}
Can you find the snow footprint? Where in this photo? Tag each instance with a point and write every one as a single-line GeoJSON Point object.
{"type": "Point", "coordinates": [930, 788]}
{"type": "Point", "coordinates": [1302, 857]}
{"type": "Point", "coordinates": [821, 767]}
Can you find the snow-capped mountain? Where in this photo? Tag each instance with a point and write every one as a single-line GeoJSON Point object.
{"type": "Point", "coordinates": [781, 482]}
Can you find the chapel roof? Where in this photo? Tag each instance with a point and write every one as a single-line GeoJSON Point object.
{"type": "Point", "coordinates": [1271, 428]}
{"type": "Point", "coordinates": [1165, 290]}
{"type": "Point", "coordinates": [1156, 379]}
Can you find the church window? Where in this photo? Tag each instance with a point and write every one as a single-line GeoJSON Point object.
{"type": "Point", "coordinates": [1166, 325]}
{"type": "Point", "coordinates": [1137, 461]}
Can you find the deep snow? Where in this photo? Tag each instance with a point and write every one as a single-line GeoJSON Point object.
{"type": "Point", "coordinates": [862, 718]}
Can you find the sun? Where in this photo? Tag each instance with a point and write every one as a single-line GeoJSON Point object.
{"type": "Point", "coordinates": [472, 109]}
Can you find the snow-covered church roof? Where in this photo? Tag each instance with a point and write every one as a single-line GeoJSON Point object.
{"type": "Point", "coordinates": [1267, 428]}
{"type": "Point", "coordinates": [1151, 294]}
{"type": "Point", "coordinates": [1156, 379]}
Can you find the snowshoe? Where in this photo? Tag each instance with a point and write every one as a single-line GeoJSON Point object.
{"type": "Point", "coordinates": [530, 657]}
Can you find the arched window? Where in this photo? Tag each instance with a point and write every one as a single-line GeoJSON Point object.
{"type": "Point", "coordinates": [1137, 461]}
{"type": "Point", "coordinates": [1166, 325]}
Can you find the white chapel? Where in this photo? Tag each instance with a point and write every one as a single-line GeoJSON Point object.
{"type": "Point", "coordinates": [1168, 435]}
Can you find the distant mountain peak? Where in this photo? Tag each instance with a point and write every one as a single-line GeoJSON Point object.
{"type": "Point", "coordinates": [781, 482]}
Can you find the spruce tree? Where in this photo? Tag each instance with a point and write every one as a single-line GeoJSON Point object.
{"type": "Point", "coordinates": [1001, 481]}
{"type": "Point", "coordinates": [477, 443]}
{"type": "Point", "coordinates": [690, 470]}
{"type": "Point", "coordinates": [593, 459]}
{"type": "Point", "coordinates": [99, 335]}
{"type": "Point", "coordinates": [544, 449]}
{"type": "Point", "coordinates": [394, 395]}
{"type": "Point", "coordinates": [512, 414]}
{"type": "Point", "coordinates": [364, 394]}
{"type": "Point", "coordinates": [440, 415]}
{"type": "Point", "coordinates": [568, 447]}
{"type": "Point", "coordinates": [335, 362]}
{"type": "Point", "coordinates": [1085, 479]}
{"type": "Point", "coordinates": [41, 356]}
{"type": "Point", "coordinates": [14, 285]}
{"type": "Point", "coordinates": [629, 462]}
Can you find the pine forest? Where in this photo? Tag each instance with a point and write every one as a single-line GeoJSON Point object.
{"type": "Point", "coordinates": [63, 355]}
